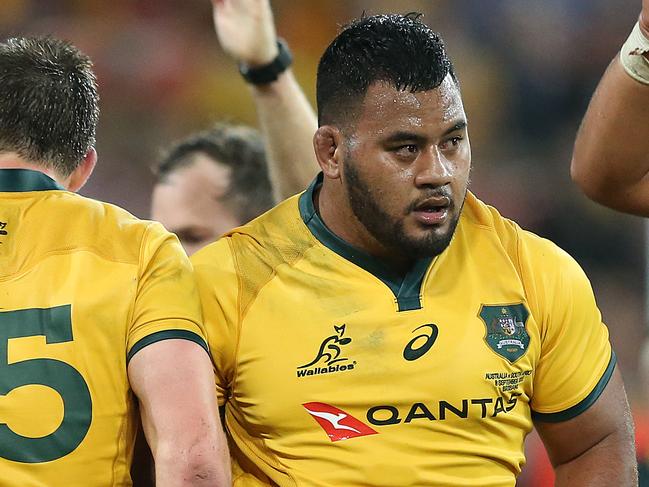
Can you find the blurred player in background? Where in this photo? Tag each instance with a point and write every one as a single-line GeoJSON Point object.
{"type": "Point", "coordinates": [611, 156]}
{"type": "Point", "coordinates": [211, 182]}
{"type": "Point", "coordinates": [98, 308]}
{"type": "Point", "coordinates": [216, 180]}
{"type": "Point", "coordinates": [392, 313]}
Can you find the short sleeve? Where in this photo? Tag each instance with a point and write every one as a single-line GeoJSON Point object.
{"type": "Point", "coordinates": [218, 286]}
{"type": "Point", "coordinates": [167, 304]}
{"type": "Point", "coordinates": [576, 360]}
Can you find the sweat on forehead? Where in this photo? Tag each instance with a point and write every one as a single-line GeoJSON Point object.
{"type": "Point", "coordinates": [387, 110]}
{"type": "Point", "coordinates": [398, 49]}
{"type": "Point", "coordinates": [382, 93]}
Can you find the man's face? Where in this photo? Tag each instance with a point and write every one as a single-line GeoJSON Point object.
{"type": "Point", "coordinates": [406, 167]}
{"type": "Point", "coordinates": [190, 203]}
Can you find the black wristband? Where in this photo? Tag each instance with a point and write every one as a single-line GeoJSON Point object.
{"type": "Point", "coordinates": [269, 72]}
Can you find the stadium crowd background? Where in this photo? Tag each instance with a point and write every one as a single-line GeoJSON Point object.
{"type": "Point", "coordinates": [527, 70]}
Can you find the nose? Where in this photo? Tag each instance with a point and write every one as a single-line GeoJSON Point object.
{"type": "Point", "coordinates": [433, 169]}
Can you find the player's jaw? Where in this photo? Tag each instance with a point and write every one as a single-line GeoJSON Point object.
{"type": "Point", "coordinates": [424, 228]}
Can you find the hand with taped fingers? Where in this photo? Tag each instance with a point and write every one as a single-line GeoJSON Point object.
{"type": "Point", "coordinates": [644, 18]}
{"type": "Point", "coordinates": [246, 30]}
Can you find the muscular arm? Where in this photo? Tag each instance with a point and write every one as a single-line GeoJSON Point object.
{"type": "Point", "coordinates": [246, 32]}
{"type": "Point", "coordinates": [611, 155]}
{"type": "Point", "coordinates": [595, 448]}
{"type": "Point", "coordinates": [174, 382]}
{"type": "Point", "coordinates": [288, 124]}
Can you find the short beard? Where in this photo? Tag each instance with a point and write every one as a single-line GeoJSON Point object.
{"type": "Point", "coordinates": [384, 228]}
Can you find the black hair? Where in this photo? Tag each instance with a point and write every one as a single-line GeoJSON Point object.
{"type": "Point", "coordinates": [238, 147]}
{"type": "Point", "coordinates": [49, 104]}
{"type": "Point", "coordinates": [398, 49]}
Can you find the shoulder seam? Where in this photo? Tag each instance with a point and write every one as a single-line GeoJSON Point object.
{"type": "Point", "coordinates": [519, 265]}
{"type": "Point", "coordinates": [139, 280]}
{"type": "Point", "coordinates": [235, 358]}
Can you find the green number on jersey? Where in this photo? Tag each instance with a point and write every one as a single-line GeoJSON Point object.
{"type": "Point", "coordinates": [56, 325]}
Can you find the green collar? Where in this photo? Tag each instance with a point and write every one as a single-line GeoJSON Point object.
{"type": "Point", "coordinates": [22, 180]}
{"type": "Point", "coordinates": [406, 288]}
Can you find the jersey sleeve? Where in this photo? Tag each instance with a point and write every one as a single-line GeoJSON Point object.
{"type": "Point", "coordinates": [576, 360]}
{"type": "Point", "coordinates": [218, 287]}
{"type": "Point", "coordinates": [166, 305]}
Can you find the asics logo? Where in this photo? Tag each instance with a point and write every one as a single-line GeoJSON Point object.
{"type": "Point", "coordinates": [420, 344]}
{"type": "Point", "coordinates": [338, 424]}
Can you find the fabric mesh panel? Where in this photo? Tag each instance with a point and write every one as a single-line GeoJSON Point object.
{"type": "Point", "coordinates": [257, 258]}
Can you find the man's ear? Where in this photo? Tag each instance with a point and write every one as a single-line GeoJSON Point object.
{"type": "Point", "coordinates": [328, 145]}
{"type": "Point", "coordinates": [83, 171]}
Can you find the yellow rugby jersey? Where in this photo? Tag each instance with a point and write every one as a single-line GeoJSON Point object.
{"type": "Point", "coordinates": [333, 371]}
{"type": "Point", "coordinates": [83, 286]}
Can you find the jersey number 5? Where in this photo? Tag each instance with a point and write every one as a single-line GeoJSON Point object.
{"type": "Point", "coordinates": [56, 325]}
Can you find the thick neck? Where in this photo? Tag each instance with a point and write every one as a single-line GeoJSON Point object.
{"type": "Point", "coordinates": [404, 282]}
{"type": "Point", "coordinates": [333, 208]}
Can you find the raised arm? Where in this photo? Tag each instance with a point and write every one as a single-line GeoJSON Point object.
{"type": "Point", "coordinates": [246, 32]}
{"type": "Point", "coordinates": [174, 383]}
{"type": "Point", "coordinates": [611, 156]}
{"type": "Point", "coordinates": [595, 448]}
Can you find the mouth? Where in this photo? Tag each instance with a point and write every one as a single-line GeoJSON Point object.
{"type": "Point", "coordinates": [432, 211]}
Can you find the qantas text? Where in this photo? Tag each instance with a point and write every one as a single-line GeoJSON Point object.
{"type": "Point", "coordinates": [384, 415]}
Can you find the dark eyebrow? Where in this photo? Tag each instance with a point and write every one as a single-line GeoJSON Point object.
{"type": "Point", "coordinates": [402, 136]}
{"type": "Point", "coordinates": [459, 125]}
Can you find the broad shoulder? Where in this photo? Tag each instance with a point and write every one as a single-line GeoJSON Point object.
{"type": "Point", "coordinates": [479, 217]}
{"type": "Point", "coordinates": [279, 235]}
{"type": "Point", "coordinates": [112, 233]}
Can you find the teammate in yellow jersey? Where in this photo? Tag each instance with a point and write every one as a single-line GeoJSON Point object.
{"type": "Point", "coordinates": [98, 310]}
{"type": "Point", "coordinates": [385, 327]}
{"type": "Point", "coordinates": [617, 174]}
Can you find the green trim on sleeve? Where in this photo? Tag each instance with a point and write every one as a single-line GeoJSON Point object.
{"type": "Point", "coordinates": [166, 335]}
{"type": "Point", "coordinates": [582, 406]}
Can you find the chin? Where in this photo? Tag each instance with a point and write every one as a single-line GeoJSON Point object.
{"type": "Point", "coordinates": [428, 244]}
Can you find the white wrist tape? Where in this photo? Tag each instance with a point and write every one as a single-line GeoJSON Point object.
{"type": "Point", "coordinates": [632, 56]}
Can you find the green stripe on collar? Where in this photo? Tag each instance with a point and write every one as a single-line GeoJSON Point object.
{"type": "Point", "coordinates": [23, 180]}
{"type": "Point", "coordinates": [406, 288]}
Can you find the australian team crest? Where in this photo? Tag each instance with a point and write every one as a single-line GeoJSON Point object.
{"type": "Point", "coordinates": [506, 333]}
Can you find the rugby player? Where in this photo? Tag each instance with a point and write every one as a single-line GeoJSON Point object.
{"type": "Point", "coordinates": [99, 310]}
{"type": "Point", "coordinates": [610, 161]}
{"type": "Point", "coordinates": [386, 327]}
{"type": "Point", "coordinates": [211, 182]}
{"type": "Point", "coordinates": [218, 179]}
